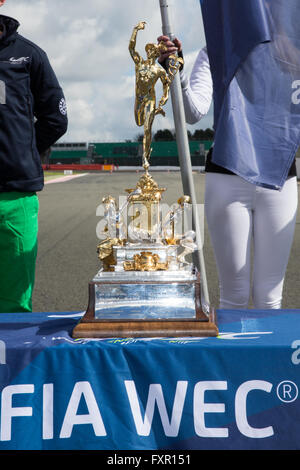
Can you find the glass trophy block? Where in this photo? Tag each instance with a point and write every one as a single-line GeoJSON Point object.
{"type": "Point", "coordinates": [148, 297]}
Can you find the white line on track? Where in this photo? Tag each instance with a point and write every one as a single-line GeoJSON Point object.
{"type": "Point", "coordinates": [62, 179]}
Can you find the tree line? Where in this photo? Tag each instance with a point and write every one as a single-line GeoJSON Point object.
{"type": "Point", "coordinates": [164, 135]}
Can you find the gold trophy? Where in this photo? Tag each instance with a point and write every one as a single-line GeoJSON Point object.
{"type": "Point", "coordinates": [146, 287]}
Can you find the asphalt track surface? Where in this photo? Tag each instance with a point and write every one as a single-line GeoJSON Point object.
{"type": "Point", "coordinates": [67, 257]}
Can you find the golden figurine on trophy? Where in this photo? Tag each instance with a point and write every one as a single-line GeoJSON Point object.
{"type": "Point", "coordinates": [147, 73]}
{"type": "Point", "coordinates": [146, 287]}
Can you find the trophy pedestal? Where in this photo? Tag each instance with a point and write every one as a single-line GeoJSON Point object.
{"type": "Point", "coordinates": [145, 304]}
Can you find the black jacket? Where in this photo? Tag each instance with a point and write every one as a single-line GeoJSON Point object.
{"type": "Point", "coordinates": [32, 110]}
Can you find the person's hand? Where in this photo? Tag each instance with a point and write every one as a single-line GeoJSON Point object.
{"type": "Point", "coordinates": [172, 47]}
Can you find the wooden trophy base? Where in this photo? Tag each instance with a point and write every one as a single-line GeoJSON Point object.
{"type": "Point", "coordinates": [146, 328]}
{"type": "Point", "coordinates": [201, 325]}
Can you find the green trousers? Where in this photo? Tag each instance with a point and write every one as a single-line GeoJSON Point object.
{"type": "Point", "coordinates": [18, 250]}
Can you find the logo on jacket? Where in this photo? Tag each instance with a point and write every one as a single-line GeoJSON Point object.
{"type": "Point", "coordinates": [20, 60]}
{"type": "Point", "coordinates": [63, 106]}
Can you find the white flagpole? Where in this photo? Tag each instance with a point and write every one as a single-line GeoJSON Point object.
{"type": "Point", "coordinates": [185, 158]}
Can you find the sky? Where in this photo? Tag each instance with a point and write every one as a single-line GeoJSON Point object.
{"type": "Point", "coordinates": [87, 45]}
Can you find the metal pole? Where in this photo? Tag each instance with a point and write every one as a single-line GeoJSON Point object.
{"type": "Point", "coordinates": [185, 158]}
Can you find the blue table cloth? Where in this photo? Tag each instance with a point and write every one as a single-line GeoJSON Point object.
{"type": "Point", "coordinates": [236, 391]}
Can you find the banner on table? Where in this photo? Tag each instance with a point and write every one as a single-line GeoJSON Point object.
{"type": "Point", "coordinates": [237, 391]}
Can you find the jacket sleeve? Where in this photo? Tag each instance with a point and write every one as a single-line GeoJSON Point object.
{"type": "Point", "coordinates": [49, 106]}
{"type": "Point", "coordinates": [197, 92]}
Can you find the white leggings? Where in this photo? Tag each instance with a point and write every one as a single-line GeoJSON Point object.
{"type": "Point", "coordinates": [240, 215]}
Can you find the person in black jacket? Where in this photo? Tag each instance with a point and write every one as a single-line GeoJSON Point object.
{"type": "Point", "coordinates": [33, 117]}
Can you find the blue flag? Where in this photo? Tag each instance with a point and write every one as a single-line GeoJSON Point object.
{"type": "Point", "coordinates": [254, 53]}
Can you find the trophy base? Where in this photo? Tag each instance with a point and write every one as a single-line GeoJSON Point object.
{"type": "Point", "coordinates": [146, 328]}
{"type": "Point", "coordinates": [153, 306]}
